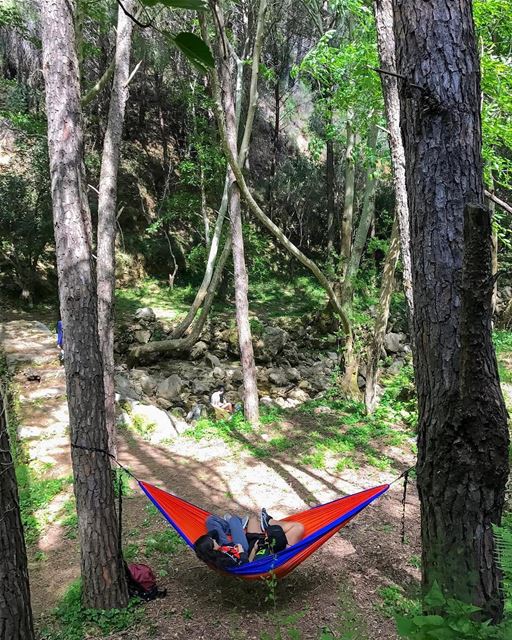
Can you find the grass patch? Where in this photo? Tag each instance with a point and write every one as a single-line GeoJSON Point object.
{"type": "Point", "coordinates": [35, 495]}
{"type": "Point", "coordinates": [70, 621]}
{"type": "Point", "coordinates": [152, 293]}
{"type": "Point", "coordinates": [274, 298]}
{"type": "Point", "coordinates": [394, 601]}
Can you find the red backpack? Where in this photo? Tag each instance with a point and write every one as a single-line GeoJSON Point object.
{"type": "Point", "coordinates": [142, 582]}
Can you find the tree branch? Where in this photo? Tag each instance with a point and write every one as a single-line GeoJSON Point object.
{"type": "Point", "coordinates": [501, 203]}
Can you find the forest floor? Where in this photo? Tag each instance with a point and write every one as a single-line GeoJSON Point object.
{"type": "Point", "coordinates": [349, 589]}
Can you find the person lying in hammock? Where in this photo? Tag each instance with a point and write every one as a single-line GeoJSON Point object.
{"type": "Point", "coordinates": [250, 538]}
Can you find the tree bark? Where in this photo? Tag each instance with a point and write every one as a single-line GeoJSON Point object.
{"type": "Point", "coordinates": [103, 578]}
{"type": "Point", "coordinates": [463, 437]}
{"type": "Point", "coordinates": [107, 201]}
{"type": "Point", "coordinates": [15, 610]}
{"type": "Point", "coordinates": [381, 319]}
{"type": "Point", "coordinates": [348, 204]}
{"type": "Point", "coordinates": [329, 180]}
{"type": "Point", "coordinates": [251, 401]}
{"type": "Point", "coordinates": [367, 213]}
{"type": "Point", "coordinates": [387, 56]}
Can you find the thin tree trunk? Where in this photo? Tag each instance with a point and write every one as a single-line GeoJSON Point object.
{"type": "Point", "coordinates": [251, 402]}
{"type": "Point", "coordinates": [348, 204]}
{"type": "Point", "coordinates": [107, 201]}
{"type": "Point", "coordinates": [329, 179]}
{"type": "Point", "coordinates": [15, 610]}
{"type": "Point", "coordinates": [103, 578]}
{"type": "Point", "coordinates": [463, 436]}
{"type": "Point", "coordinates": [386, 47]}
{"type": "Point", "coordinates": [367, 213]}
{"type": "Point", "coordinates": [146, 352]}
{"type": "Point", "coordinates": [180, 329]}
{"type": "Point", "coordinates": [381, 319]}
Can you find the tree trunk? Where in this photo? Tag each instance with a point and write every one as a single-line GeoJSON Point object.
{"type": "Point", "coordinates": [103, 579]}
{"type": "Point", "coordinates": [107, 201]}
{"type": "Point", "coordinates": [463, 437]}
{"type": "Point", "coordinates": [348, 204]}
{"type": "Point", "coordinates": [381, 319]}
{"type": "Point", "coordinates": [387, 56]}
{"type": "Point", "coordinates": [329, 180]}
{"type": "Point", "coordinates": [15, 610]}
{"type": "Point", "coordinates": [251, 402]}
{"type": "Point", "coordinates": [367, 213]}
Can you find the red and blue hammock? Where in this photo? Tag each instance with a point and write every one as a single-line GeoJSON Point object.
{"type": "Point", "coordinates": [320, 523]}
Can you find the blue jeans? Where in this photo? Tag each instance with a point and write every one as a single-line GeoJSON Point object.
{"type": "Point", "coordinates": [224, 527]}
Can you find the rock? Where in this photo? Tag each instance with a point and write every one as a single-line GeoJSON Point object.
{"type": "Point", "coordinates": [320, 383]}
{"type": "Point", "coordinates": [331, 339]}
{"type": "Point", "coordinates": [270, 344]}
{"type": "Point", "coordinates": [395, 366]}
{"type": "Point", "coordinates": [148, 384]}
{"type": "Point", "coordinates": [124, 388]}
{"type": "Point", "coordinates": [394, 342]}
{"type": "Point", "coordinates": [237, 376]}
{"type": "Point", "coordinates": [299, 394]}
{"type": "Point", "coordinates": [219, 373]}
{"type": "Point", "coordinates": [212, 360]}
{"type": "Point", "coordinates": [305, 384]}
{"type": "Point", "coordinates": [142, 336]}
{"type": "Point", "coordinates": [198, 350]}
{"type": "Point", "coordinates": [201, 387]}
{"type": "Point", "coordinates": [361, 382]}
{"type": "Point", "coordinates": [278, 377]}
{"type": "Point", "coordinates": [145, 313]}
{"type": "Point", "coordinates": [170, 388]}
{"type": "Point", "coordinates": [293, 374]}
{"type": "Point", "coordinates": [333, 356]}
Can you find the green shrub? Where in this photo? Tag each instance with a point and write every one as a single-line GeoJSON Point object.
{"type": "Point", "coordinates": [70, 621]}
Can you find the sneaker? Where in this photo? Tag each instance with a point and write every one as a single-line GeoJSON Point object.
{"type": "Point", "coordinates": [265, 519]}
{"type": "Point", "coordinates": [245, 521]}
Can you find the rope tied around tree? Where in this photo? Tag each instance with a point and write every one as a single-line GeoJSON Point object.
{"type": "Point", "coordinates": [119, 489]}
{"type": "Point", "coordinates": [405, 476]}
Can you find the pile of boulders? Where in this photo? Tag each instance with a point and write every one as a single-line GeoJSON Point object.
{"type": "Point", "coordinates": [290, 371]}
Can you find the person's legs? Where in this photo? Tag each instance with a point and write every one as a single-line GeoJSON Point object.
{"type": "Point", "coordinates": [294, 531]}
{"type": "Point", "coordinates": [218, 524]}
{"type": "Point", "coordinates": [237, 532]}
{"type": "Point", "coordinates": [253, 526]}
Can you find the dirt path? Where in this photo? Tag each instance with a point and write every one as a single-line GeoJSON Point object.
{"type": "Point", "coordinates": [337, 588]}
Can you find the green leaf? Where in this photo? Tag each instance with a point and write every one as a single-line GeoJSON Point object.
{"type": "Point", "coordinates": [195, 49]}
{"type": "Point", "coordinates": [196, 5]}
{"type": "Point", "coordinates": [405, 627]}
{"type": "Point", "coordinates": [428, 621]}
{"type": "Point", "coordinates": [435, 597]}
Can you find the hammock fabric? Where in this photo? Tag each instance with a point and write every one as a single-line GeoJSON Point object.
{"type": "Point", "coordinates": [320, 523]}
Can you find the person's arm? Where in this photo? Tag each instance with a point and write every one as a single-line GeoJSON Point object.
{"type": "Point", "coordinates": [252, 555]}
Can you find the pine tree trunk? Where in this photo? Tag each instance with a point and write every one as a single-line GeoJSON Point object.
{"type": "Point", "coordinates": [107, 201]}
{"type": "Point", "coordinates": [463, 437]}
{"type": "Point", "coordinates": [381, 319]}
{"type": "Point", "coordinates": [15, 610]}
{"type": "Point", "coordinates": [103, 579]}
{"type": "Point", "coordinates": [386, 47]}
